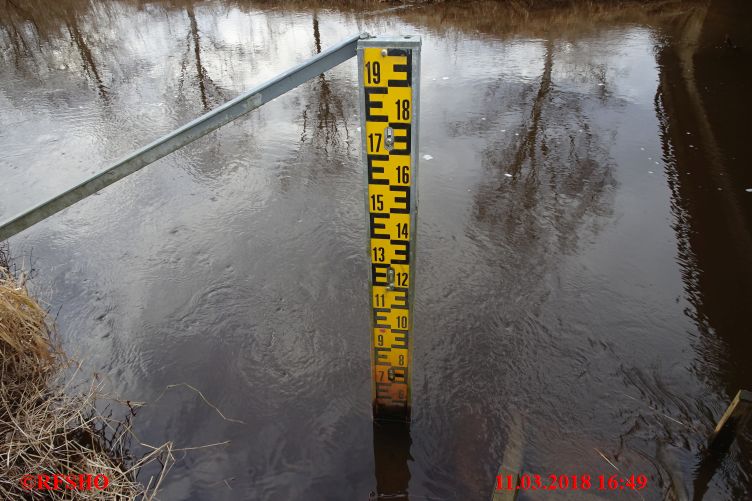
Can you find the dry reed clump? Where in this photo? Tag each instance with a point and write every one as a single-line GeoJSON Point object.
{"type": "Point", "coordinates": [48, 427]}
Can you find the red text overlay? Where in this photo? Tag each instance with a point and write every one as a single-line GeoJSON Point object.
{"type": "Point", "coordinates": [534, 482]}
{"type": "Point", "coordinates": [56, 482]}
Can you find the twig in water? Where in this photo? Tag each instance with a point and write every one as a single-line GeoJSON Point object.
{"type": "Point", "coordinates": [607, 460]}
{"type": "Point", "coordinates": [170, 386]}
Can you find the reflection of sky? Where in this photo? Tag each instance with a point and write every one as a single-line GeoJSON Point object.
{"type": "Point", "coordinates": [518, 60]}
{"type": "Point", "coordinates": [625, 58]}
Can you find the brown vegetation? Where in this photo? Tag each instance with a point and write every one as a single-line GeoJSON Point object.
{"type": "Point", "coordinates": [48, 427]}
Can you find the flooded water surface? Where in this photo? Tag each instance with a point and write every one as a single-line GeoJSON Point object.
{"type": "Point", "coordinates": [584, 247]}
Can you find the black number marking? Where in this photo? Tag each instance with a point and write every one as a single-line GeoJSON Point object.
{"type": "Point", "coordinates": [374, 72]}
{"type": "Point", "coordinates": [371, 142]}
{"type": "Point", "coordinates": [377, 202]}
{"type": "Point", "coordinates": [402, 279]}
{"type": "Point", "coordinates": [378, 254]}
{"type": "Point", "coordinates": [403, 174]}
{"type": "Point", "coordinates": [403, 109]}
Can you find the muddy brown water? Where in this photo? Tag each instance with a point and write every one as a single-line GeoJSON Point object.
{"type": "Point", "coordinates": [584, 240]}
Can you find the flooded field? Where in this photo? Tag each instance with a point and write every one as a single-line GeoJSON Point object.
{"type": "Point", "coordinates": [584, 256]}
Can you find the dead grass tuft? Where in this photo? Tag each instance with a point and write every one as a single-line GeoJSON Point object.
{"type": "Point", "coordinates": [48, 426]}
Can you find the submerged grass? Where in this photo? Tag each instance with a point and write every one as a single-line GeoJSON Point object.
{"type": "Point", "coordinates": [50, 425]}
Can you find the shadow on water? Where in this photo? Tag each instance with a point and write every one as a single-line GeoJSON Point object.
{"type": "Point", "coordinates": [391, 453]}
{"type": "Point", "coordinates": [706, 57]}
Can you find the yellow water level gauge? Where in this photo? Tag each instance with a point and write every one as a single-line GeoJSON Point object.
{"type": "Point", "coordinates": [389, 77]}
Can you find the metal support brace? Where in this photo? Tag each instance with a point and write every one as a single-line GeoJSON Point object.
{"type": "Point", "coordinates": [186, 134]}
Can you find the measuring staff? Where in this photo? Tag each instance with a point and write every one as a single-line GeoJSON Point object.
{"type": "Point", "coordinates": [389, 79]}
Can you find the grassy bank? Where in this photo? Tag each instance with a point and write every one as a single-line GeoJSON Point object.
{"type": "Point", "coordinates": [52, 426]}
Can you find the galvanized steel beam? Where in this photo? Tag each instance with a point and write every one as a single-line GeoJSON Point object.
{"type": "Point", "coordinates": [188, 133]}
